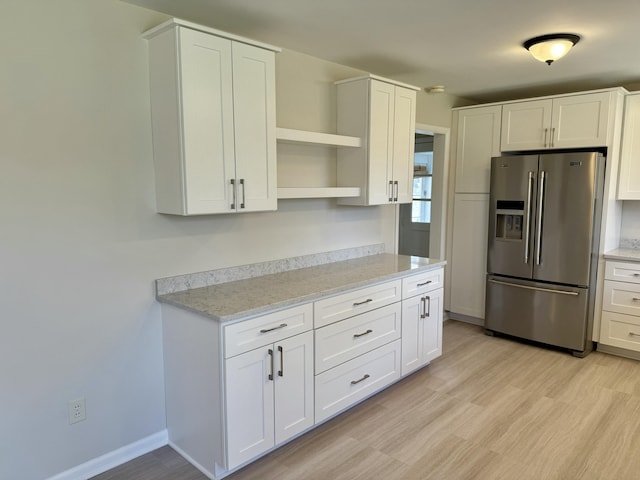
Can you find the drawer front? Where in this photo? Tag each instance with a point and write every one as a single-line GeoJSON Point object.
{"type": "Point", "coordinates": [332, 309]}
{"type": "Point", "coordinates": [422, 283]}
{"type": "Point", "coordinates": [622, 271]}
{"type": "Point", "coordinates": [246, 335]}
{"type": "Point", "coordinates": [621, 297]}
{"type": "Point", "coordinates": [346, 384]}
{"type": "Point", "coordinates": [619, 330]}
{"type": "Point", "coordinates": [345, 340]}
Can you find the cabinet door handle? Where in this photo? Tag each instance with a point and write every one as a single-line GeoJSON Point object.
{"type": "Point", "coordinates": [424, 307]}
{"type": "Point", "coordinates": [390, 190]}
{"type": "Point", "coordinates": [355, 304]}
{"type": "Point", "coordinates": [424, 283]}
{"type": "Point", "coordinates": [271, 364]}
{"type": "Point", "coordinates": [243, 189]}
{"type": "Point", "coordinates": [544, 143]}
{"type": "Point", "coordinates": [553, 134]}
{"type": "Point", "coordinates": [356, 335]}
{"type": "Point", "coordinates": [281, 371]}
{"type": "Point", "coordinates": [355, 382]}
{"type": "Point", "coordinates": [233, 194]}
{"type": "Point", "coordinates": [427, 311]}
{"type": "Point", "coordinates": [397, 190]}
{"type": "Point", "coordinates": [265, 330]}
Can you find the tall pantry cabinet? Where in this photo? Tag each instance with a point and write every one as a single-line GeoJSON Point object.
{"type": "Point", "coordinates": [213, 120]}
{"type": "Point", "coordinates": [383, 113]}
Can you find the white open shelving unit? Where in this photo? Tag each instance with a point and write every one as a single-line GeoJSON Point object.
{"type": "Point", "coordinates": [289, 135]}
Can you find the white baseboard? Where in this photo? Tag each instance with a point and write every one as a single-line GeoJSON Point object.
{"type": "Point", "coordinates": [115, 458]}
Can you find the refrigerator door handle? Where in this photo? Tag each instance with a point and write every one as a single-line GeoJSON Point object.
{"type": "Point", "coordinates": [539, 289]}
{"type": "Point", "coordinates": [539, 220]}
{"type": "Point", "coordinates": [527, 225]}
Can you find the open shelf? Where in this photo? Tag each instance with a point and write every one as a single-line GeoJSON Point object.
{"type": "Point", "coordinates": [302, 136]}
{"type": "Point", "coordinates": [318, 192]}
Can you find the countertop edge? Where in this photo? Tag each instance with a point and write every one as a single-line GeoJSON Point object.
{"type": "Point", "coordinates": [623, 254]}
{"type": "Point", "coordinates": [299, 300]}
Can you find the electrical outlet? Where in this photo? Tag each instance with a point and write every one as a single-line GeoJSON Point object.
{"type": "Point", "coordinates": [77, 410]}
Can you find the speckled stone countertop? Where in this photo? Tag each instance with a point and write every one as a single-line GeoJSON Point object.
{"type": "Point", "coordinates": [623, 254]}
{"type": "Point", "coordinates": [230, 301]}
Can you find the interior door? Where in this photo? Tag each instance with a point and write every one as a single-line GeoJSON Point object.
{"type": "Point", "coordinates": [511, 212]}
{"type": "Point", "coordinates": [564, 217]}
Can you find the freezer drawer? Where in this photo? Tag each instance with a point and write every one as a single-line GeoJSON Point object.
{"type": "Point", "coordinates": [542, 312]}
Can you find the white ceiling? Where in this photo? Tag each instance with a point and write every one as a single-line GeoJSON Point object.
{"type": "Point", "coordinates": [473, 47]}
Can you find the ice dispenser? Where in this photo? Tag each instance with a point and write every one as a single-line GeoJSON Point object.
{"type": "Point", "coordinates": [509, 219]}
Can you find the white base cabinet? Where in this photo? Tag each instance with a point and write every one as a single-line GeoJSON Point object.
{"type": "Point", "coordinates": [237, 390]}
{"type": "Point", "coordinates": [422, 308]}
{"type": "Point", "coordinates": [620, 324]}
{"type": "Point", "coordinates": [269, 397]}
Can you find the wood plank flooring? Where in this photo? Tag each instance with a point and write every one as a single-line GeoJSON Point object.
{"type": "Point", "coordinates": [489, 408]}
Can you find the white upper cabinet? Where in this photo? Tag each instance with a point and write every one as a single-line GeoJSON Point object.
{"type": "Point", "coordinates": [383, 114]}
{"type": "Point", "coordinates": [478, 140]}
{"type": "Point", "coordinates": [213, 120]}
{"type": "Point", "coordinates": [570, 121]}
{"type": "Point", "coordinates": [629, 179]}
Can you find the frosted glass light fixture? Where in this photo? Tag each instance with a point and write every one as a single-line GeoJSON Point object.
{"type": "Point", "coordinates": [549, 48]}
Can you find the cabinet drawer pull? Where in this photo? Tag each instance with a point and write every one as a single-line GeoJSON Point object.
{"type": "Point", "coordinates": [356, 335]}
{"type": "Point", "coordinates": [354, 382]}
{"type": "Point", "coordinates": [633, 334]}
{"type": "Point", "coordinates": [425, 283]}
{"type": "Point", "coordinates": [265, 330]}
{"type": "Point", "coordinates": [636, 274]}
{"type": "Point", "coordinates": [635, 299]}
{"type": "Point", "coordinates": [271, 364]}
{"type": "Point", "coordinates": [281, 371]}
{"type": "Point", "coordinates": [355, 304]}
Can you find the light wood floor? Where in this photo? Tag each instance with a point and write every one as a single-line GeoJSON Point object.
{"type": "Point", "coordinates": [489, 408]}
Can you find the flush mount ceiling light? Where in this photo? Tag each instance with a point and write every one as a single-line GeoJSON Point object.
{"type": "Point", "coordinates": [549, 48]}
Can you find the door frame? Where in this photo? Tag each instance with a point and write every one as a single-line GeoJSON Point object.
{"type": "Point", "coordinates": [439, 191]}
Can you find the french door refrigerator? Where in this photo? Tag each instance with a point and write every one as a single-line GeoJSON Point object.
{"type": "Point", "coordinates": [544, 225]}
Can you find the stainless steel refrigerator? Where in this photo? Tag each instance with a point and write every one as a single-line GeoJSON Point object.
{"type": "Point", "coordinates": [544, 225]}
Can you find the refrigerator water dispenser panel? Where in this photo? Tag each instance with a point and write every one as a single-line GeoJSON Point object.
{"type": "Point", "coordinates": [509, 220]}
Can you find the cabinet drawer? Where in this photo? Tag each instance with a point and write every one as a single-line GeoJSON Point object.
{"type": "Point", "coordinates": [348, 304]}
{"type": "Point", "coordinates": [346, 384]}
{"type": "Point", "coordinates": [249, 334]}
{"type": "Point", "coordinates": [619, 330]}
{"type": "Point", "coordinates": [621, 297]}
{"type": "Point", "coordinates": [623, 271]}
{"type": "Point", "coordinates": [422, 283]}
{"type": "Point", "coordinates": [344, 340]}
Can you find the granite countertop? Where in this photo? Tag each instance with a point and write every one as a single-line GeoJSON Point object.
{"type": "Point", "coordinates": [254, 296]}
{"type": "Point", "coordinates": [624, 254]}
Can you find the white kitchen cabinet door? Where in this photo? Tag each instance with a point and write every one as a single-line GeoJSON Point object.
{"type": "Point", "coordinates": [294, 396]}
{"type": "Point", "coordinates": [478, 140]}
{"type": "Point", "coordinates": [213, 122]}
{"type": "Point", "coordinates": [421, 330]}
{"type": "Point", "coordinates": [249, 404]}
{"type": "Point", "coordinates": [469, 254]}
{"type": "Point", "coordinates": [580, 120]}
{"type": "Point", "coordinates": [526, 125]}
{"type": "Point", "coordinates": [382, 113]}
{"type": "Point", "coordinates": [629, 179]}
{"type": "Point", "coordinates": [404, 138]}
{"type": "Point", "coordinates": [254, 104]}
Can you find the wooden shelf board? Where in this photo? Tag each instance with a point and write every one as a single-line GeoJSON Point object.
{"type": "Point", "coordinates": [318, 192]}
{"type": "Point", "coordinates": [303, 136]}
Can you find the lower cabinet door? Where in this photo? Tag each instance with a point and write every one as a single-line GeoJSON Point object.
{"type": "Point", "coordinates": [249, 404]}
{"type": "Point", "coordinates": [293, 386]}
{"type": "Point", "coordinates": [421, 330]}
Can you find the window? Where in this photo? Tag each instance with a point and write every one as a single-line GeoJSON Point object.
{"type": "Point", "coordinates": [422, 176]}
